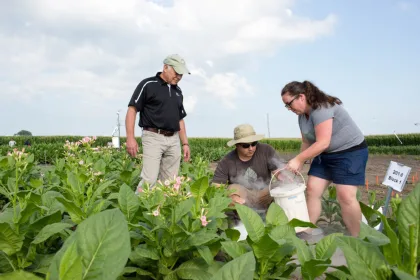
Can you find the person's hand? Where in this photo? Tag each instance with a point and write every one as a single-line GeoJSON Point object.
{"type": "Point", "coordinates": [283, 176]}
{"type": "Point", "coordinates": [295, 165]}
{"type": "Point", "coordinates": [236, 199]}
{"type": "Point", "coordinates": [132, 146]}
{"type": "Point", "coordinates": [187, 153]}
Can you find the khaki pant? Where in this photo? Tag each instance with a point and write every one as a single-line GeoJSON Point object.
{"type": "Point", "coordinates": [161, 157]}
{"type": "Point", "coordinates": [256, 199]}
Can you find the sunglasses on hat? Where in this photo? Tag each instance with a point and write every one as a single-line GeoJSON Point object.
{"type": "Point", "coordinates": [246, 145]}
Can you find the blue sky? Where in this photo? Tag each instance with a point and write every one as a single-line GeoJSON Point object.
{"type": "Point", "coordinates": [67, 67]}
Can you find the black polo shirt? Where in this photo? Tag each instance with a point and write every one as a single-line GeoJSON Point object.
{"type": "Point", "coordinates": [160, 104]}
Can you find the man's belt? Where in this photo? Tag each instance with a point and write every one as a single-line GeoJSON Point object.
{"type": "Point", "coordinates": [159, 131]}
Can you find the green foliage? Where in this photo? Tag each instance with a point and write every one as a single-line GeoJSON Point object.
{"type": "Point", "coordinates": [24, 133]}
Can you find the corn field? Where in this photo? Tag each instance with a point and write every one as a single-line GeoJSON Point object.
{"type": "Point", "coordinates": [47, 149]}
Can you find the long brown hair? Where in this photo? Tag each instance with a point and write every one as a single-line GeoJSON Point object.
{"type": "Point", "coordinates": [314, 96]}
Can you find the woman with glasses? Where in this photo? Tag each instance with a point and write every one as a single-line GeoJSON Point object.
{"type": "Point", "coordinates": [336, 146]}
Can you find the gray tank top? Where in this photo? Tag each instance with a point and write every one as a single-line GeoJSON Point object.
{"type": "Point", "coordinates": [345, 132]}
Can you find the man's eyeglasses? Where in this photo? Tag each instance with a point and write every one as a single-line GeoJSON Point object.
{"type": "Point", "coordinates": [289, 104]}
{"type": "Point", "coordinates": [246, 145]}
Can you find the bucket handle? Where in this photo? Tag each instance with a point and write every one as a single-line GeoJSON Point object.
{"type": "Point", "coordinates": [275, 173]}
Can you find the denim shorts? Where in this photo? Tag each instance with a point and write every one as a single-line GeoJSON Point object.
{"type": "Point", "coordinates": [346, 168]}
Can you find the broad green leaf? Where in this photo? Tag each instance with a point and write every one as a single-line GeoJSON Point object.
{"type": "Point", "coordinates": [392, 250]}
{"type": "Point", "coordinates": [71, 264]}
{"type": "Point", "coordinates": [100, 166]}
{"type": "Point", "coordinates": [303, 252]}
{"type": "Point", "coordinates": [98, 206]}
{"type": "Point", "coordinates": [199, 187]}
{"type": "Point", "coordinates": [49, 200]}
{"type": "Point", "coordinates": [409, 214]}
{"type": "Point", "coordinates": [75, 212]}
{"type": "Point", "coordinates": [101, 188]}
{"type": "Point", "coordinates": [326, 247]}
{"type": "Point", "coordinates": [199, 238]}
{"type": "Point", "coordinates": [252, 221]}
{"type": "Point", "coordinates": [363, 258]}
{"type": "Point", "coordinates": [372, 216]}
{"type": "Point", "coordinates": [7, 216]}
{"type": "Point", "coordinates": [113, 196]}
{"type": "Point", "coordinates": [298, 223]}
{"type": "Point", "coordinates": [241, 268]}
{"type": "Point", "coordinates": [276, 215]}
{"type": "Point", "coordinates": [372, 235]}
{"type": "Point", "coordinates": [183, 208]}
{"type": "Point", "coordinates": [19, 275]}
{"type": "Point", "coordinates": [10, 241]}
{"type": "Point", "coordinates": [338, 275]}
{"type": "Point", "coordinates": [104, 243]}
{"type": "Point", "coordinates": [6, 264]}
{"type": "Point", "coordinates": [143, 272]}
{"type": "Point", "coordinates": [206, 254]}
{"type": "Point", "coordinates": [36, 183]}
{"type": "Point", "coordinates": [282, 252]}
{"type": "Point", "coordinates": [74, 183]}
{"type": "Point", "coordinates": [233, 248]}
{"type": "Point", "coordinates": [314, 268]}
{"type": "Point", "coordinates": [217, 205]}
{"type": "Point", "coordinates": [171, 276]}
{"type": "Point", "coordinates": [144, 251]}
{"type": "Point", "coordinates": [39, 224]}
{"type": "Point", "coordinates": [265, 248]}
{"type": "Point", "coordinates": [402, 275]}
{"type": "Point", "coordinates": [233, 234]}
{"type": "Point", "coordinates": [282, 233]}
{"type": "Point", "coordinates": [26, 213]}
{"type": "Point", "coordinates": [41, 263]}
{"type": "Point", "coordinates": [193, 269]}
{"type": "Point", "coordinates": [49, 231]}
{"type": "Point", "coordinates": [128, 202]}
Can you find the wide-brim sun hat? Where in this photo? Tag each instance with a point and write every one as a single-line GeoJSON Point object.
{"type": "Point", "coordinates": [244, 133]}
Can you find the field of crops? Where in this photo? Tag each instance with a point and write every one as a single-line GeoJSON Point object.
{"type": "Point", "coordinates": [81, 219]}
{"type": "Point", "coordinates": [47, 149]}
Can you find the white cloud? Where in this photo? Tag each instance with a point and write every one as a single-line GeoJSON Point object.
{"type": "Point", "coordinates": [99, 50]}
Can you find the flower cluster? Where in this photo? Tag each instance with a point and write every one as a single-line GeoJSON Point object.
{"type": "Point", "coordinates": [17, 154]}
{"type": "Point", "coordinates": [74, 145]}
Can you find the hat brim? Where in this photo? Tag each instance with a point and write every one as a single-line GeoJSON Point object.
{"type": "Point", "coordinates": [248, 139]}
{"type": "Point", "coordinates": [181, 70]}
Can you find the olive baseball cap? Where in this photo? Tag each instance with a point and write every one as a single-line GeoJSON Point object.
{"type": "Point", "coordinates": [178, 63]}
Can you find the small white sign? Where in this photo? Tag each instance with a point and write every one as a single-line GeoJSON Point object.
{"type": "Point", "coordinates": [396, 176]}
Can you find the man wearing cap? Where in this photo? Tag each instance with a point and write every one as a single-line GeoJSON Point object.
{"type": "Point", "coordinates": [248, 169]}
{"type": "Point", "coordinates": [159, 101]}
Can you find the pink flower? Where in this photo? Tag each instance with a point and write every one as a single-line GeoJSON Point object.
{"type": "Point", "coordinates": [156, 212]}
{"type": "Point", "coordinates": [94, 137]}
{"type": "Point", "coordinates": [176, 186]}
{"type": "Point", "coordinates": [178, 180]}
{"type": "Point", "coordinates": [204, 221]}
{"type": "Point", "coordinates": [139, 189]}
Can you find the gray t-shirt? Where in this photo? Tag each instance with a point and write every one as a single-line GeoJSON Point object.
{"type": "Point", "coordinates": [345, 132]}
{"type": "Point", "coordinates": [252, 174]}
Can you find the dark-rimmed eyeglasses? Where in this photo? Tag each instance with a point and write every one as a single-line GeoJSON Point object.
{"type": "Point", "coordinates": [289, 104]}
{"type": "Point", "coordinates": [246, 145]}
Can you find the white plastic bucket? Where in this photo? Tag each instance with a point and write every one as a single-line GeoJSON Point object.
{"type": "Point", "coordinates": [115, 142]}
{"type": "Point", "coordinates": [291, 198]}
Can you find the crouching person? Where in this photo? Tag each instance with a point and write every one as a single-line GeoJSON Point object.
{"type": "Point", "coordinates": [247, 171]}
